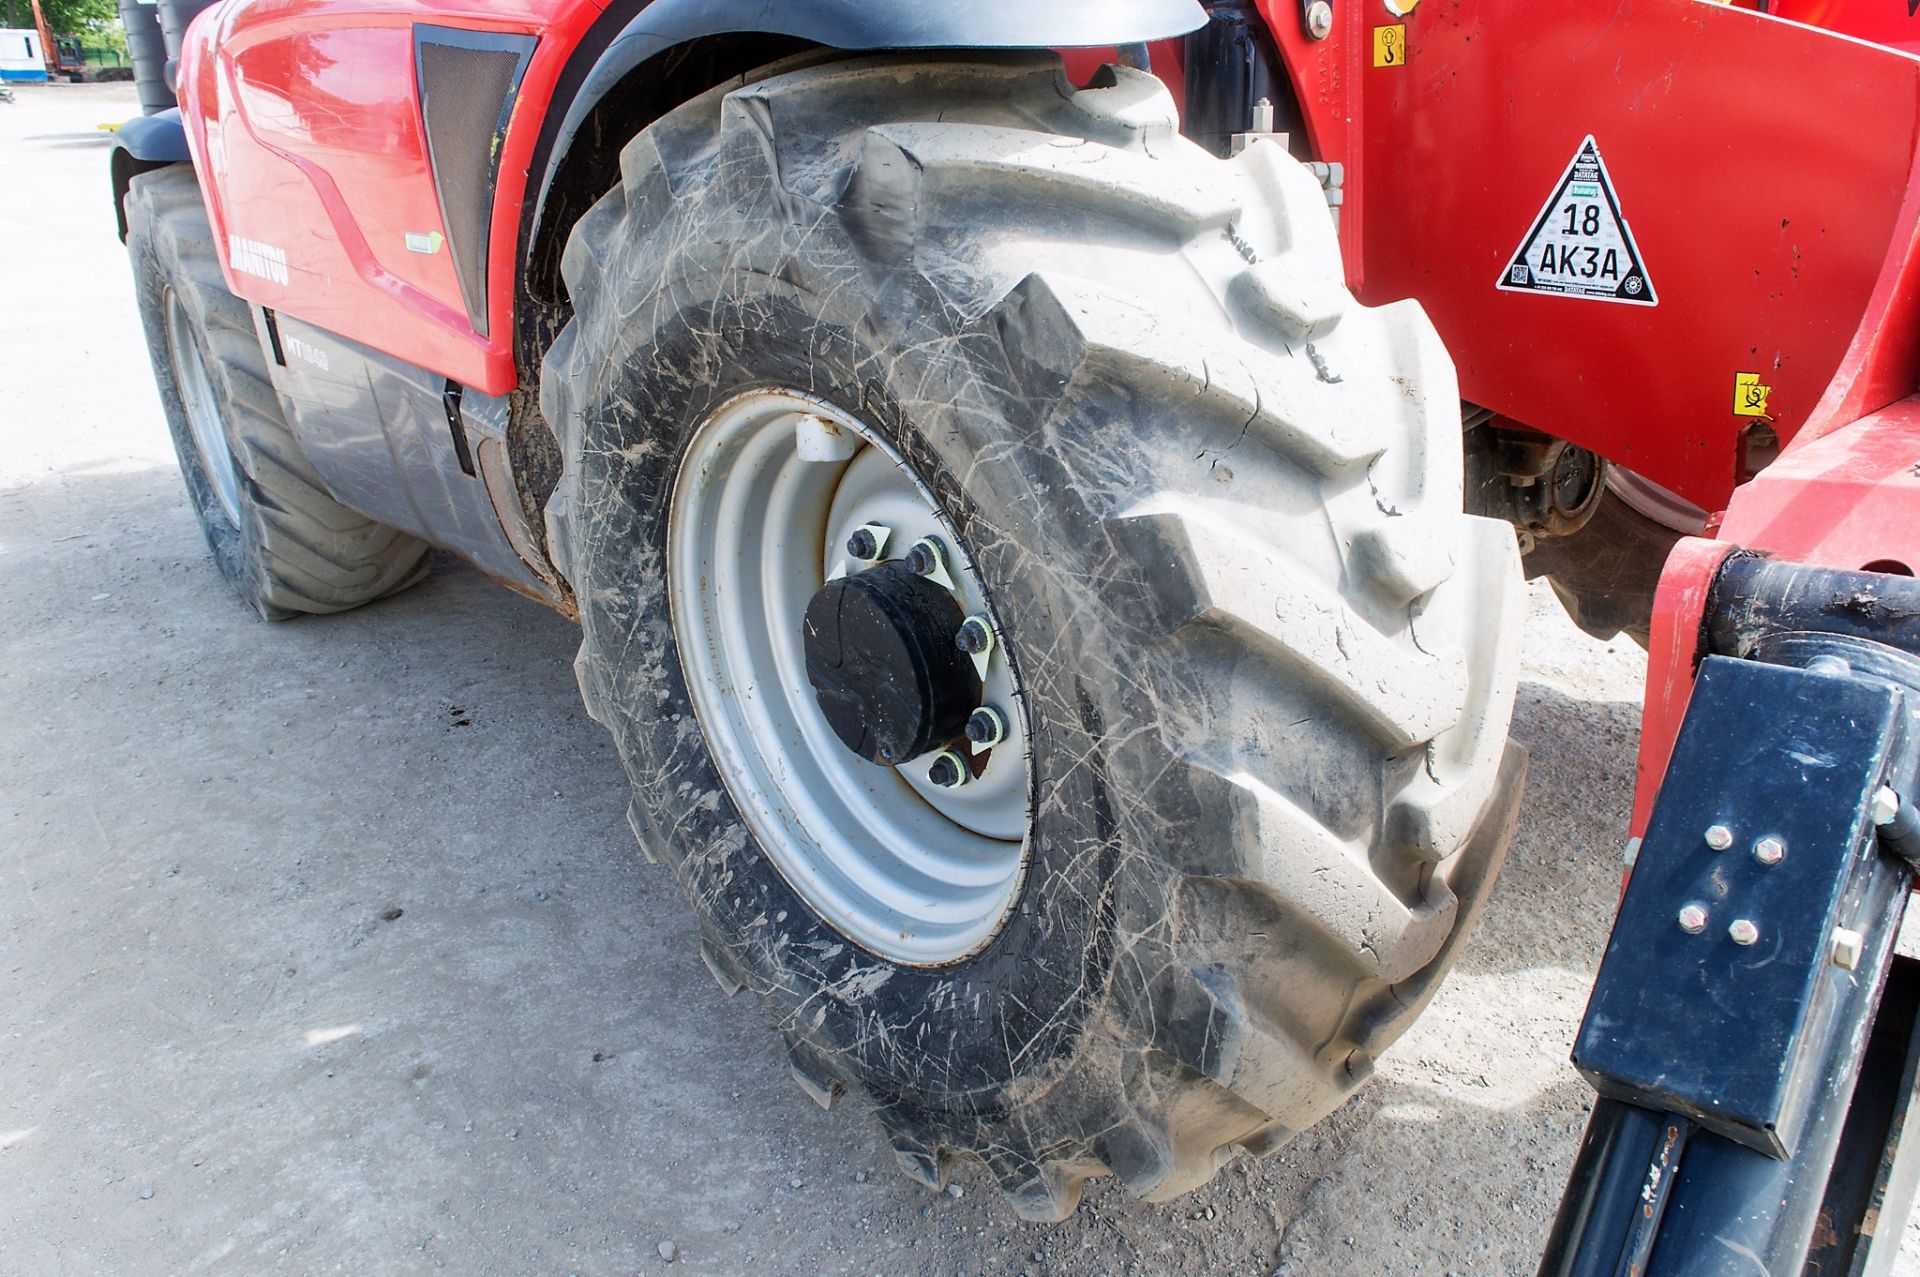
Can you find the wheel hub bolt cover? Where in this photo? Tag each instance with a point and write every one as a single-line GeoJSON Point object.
{"type": "Point", "coordinates": [949, 770]}
{"type": "Point", "coordinates": [974, 636]}
{"type": "Point", "coordinates": [882, 663]}
{"type": "Point", "coordinates": [926, 556]}
{"type": "Point", "coordinates": [987, 726]}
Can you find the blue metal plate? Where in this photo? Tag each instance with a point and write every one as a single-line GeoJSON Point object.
{"type": "Point", "coordinates": [1693, 1021]}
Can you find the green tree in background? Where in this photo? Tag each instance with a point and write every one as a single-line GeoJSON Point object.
{"type": "Point", "coordinates": [66, 17]}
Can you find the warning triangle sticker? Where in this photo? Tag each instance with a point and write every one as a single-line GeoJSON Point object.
{"type": "Point", "coordinates": [1580, 245]}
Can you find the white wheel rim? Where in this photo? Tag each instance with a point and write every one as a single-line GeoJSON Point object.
{"type": "Point", "coordinates": [917, 873]}
{"type": "Point", "coordinates": [203, 414]}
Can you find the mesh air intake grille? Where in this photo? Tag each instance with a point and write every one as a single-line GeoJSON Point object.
{"type": "Point", "coordinates": [467, 82]}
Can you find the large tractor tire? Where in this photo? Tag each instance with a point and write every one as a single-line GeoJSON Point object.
{"type": "Point", "coordinates": [277, 535]}
{"type": "Point", "coordinates": [875, 358]}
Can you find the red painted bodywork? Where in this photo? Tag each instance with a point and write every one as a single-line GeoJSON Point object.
{"type": "Point", "coordinates": [306, 118]}
{"type": "Point", "coordinates": [1764, 227]}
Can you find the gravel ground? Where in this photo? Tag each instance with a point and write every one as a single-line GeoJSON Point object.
{"type": "Point", "coordinates": [325, 947]}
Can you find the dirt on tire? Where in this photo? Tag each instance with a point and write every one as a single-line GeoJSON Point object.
{"type": "Point", "coordinates": [1268, 661]}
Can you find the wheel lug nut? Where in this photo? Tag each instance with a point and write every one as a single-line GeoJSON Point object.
{"type": "Point", "coordinates": [987, 726]}
{"type": "Point", "coordinates": [866, 543]}
{"type": "Point", "coordinates": [926, 556]}
{"type": "Point", "coordinates": [975, 636]}
{"type": "Point", "coordinates": [949, 770]}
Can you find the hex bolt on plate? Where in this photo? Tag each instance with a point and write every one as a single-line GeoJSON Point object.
{"type": "Point", "coordinates": [949, 770]}
{"type": "Point", "coordinates": [1719, 837]}
{"type": "Point", "coordinates": [1693, 919]}
{"type": "Point", "coordinates": [867, 544]}
{"type": "Point", "coordinates": [1769, 851]}
{"type": "Point", "coordinates": [975, 638]}
{"type": "Point", "coordinates": [928, 558]}
{"type": "Point", "coordinates": [1742, 931]}
{"type": "Point", "coordinates": [986, 728]}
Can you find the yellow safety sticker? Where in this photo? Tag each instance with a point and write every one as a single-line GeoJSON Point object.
{"type": "Point", "coordinates": [1749, 396]}
{"type": "Point", "coordinates": [1390, 45]}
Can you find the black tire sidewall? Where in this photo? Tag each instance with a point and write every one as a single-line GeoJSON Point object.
{"type": "Point", "coordinates": [156, 272]}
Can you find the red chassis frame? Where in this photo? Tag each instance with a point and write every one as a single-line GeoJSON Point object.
{"type": "Point", "coordinates": [1765, 166]}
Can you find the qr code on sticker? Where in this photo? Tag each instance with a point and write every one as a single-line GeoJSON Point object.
{"type": "Point", "coordinates": [1517, 274]}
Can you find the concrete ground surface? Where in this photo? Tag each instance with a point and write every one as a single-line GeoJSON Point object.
{"type": "Point", "coordinates": [325, 946]}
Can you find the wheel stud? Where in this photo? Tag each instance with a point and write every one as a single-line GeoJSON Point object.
{"type": "Point", "coordinates": [975, 636]}
{"type": "Point", "coordinates": [866, 543]}
{"type": "Point", "coordinates": [987, 727]}
{"type": "Point", "coordinates": [949, 770]}
{"type": "Point", "coordinates": [926, 556]}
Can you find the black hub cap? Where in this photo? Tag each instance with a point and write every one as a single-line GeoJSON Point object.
{"type": "Point", "coordinates": [883, 665]}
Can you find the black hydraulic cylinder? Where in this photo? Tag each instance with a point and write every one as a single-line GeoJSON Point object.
{"type": "Point", "coordinates": [1231, 63]}
{"type": "Point", "coordinates": [174, 17]}
{"type": "Point", "coordinates": [147, 51]}
{"type": "Point", "coordinates": [1618, 1191]}
{"type": "Point", "coordinates": [1754, 598]}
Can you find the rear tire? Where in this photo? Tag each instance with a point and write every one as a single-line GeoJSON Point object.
{"type": "Point", "coordinates": [281, 540]}
{"type": "Point", "coordinates": [1266, 662]}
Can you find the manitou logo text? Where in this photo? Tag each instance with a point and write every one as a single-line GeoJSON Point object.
{"type": "Point", "coordinates": [309, 354]}
{"type": "Point", "coordinates": [251, 257]}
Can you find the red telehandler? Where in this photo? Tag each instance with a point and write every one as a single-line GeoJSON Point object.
{"type": "Point", "coordinates": [1045, 492]}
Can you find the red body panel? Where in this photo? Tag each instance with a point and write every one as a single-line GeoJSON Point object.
{"type": "Point", "coordinates": [1765, 222]}
{"type": "Point", "coordinates": [307, 118]}
{"type": "Point", "coordinates": [1875, 20]}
